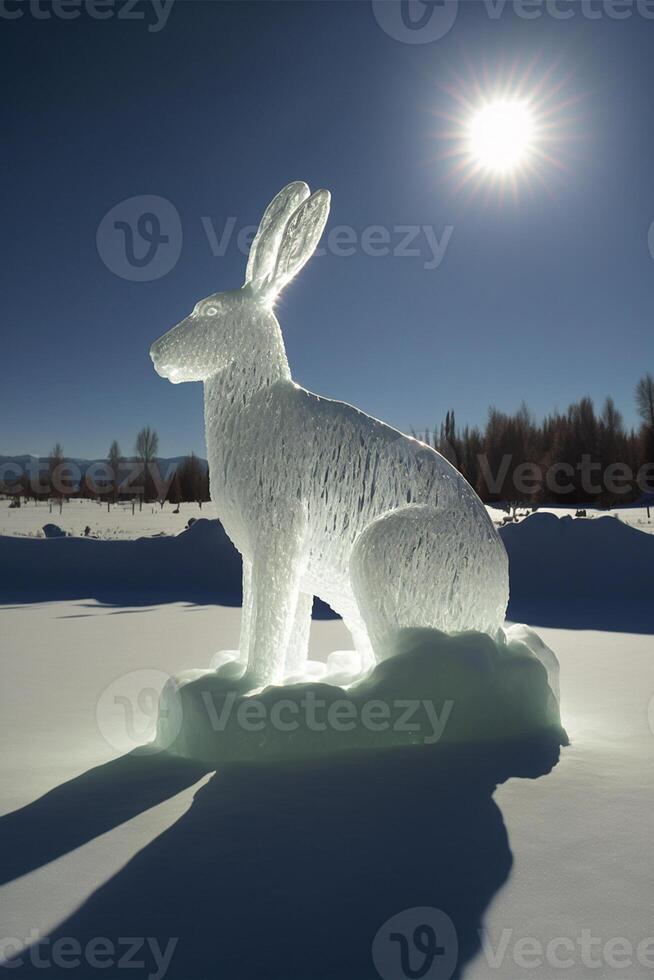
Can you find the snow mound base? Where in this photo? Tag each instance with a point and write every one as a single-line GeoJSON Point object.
{"type": "Point", "coordinates": [435, 689]}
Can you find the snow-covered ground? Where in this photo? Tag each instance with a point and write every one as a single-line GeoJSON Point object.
{"type": "Point", "coordinates": [580, 837]}
{"type": "Point", "coordinates": [634, 516]}
{"type": "Point", "coordinates": [115, 521]}
{"type": "Point", "coordinates": [123, 521]}
{"type": "Point", "coordinates": [274, 871]}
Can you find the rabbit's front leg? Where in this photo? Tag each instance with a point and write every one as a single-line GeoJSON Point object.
{"type": "Point", "coordinates": [231, 664]}
{"type": "Point", "coordinates": [246, 612]}
{"type": "Point", "coordinates": [298, 647]}
{"type": "Point", "coordinates": [276, 574]}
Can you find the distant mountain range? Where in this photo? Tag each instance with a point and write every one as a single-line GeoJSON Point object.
{"type": "Point", "coordinates": [30, 464]}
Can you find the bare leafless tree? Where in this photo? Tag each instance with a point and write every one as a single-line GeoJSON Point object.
{"type": "Point", "coordinates": [147, 445]}
{"type": "Point", "coordinates": [645, 399]}
{"type": "Point", "coordinates": [114, 458]}
{"type": "Point", "coordinates": [55, 460]}
{"type": "Point", "coordinates": [193, 479]}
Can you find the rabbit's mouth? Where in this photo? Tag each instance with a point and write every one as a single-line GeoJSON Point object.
{"type": "Point", "coordinates": [168, 372]}
{"type": "Point", "coordinates": [163, 369]}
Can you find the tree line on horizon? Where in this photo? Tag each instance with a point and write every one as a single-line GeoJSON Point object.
{"type": "Point", "coordinates": [119, 477]}
{"type": "Point", "coordinates": [579, 455]}
{"type": "Point", "coordinates": [576, 456]}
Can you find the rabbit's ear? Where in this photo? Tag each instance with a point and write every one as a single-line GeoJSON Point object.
{"type": "Point", "coordinates": [264, 249]}
{"type": "Point", "coordinates": [301, 235]}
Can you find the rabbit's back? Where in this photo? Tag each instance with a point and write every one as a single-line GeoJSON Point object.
{"type": "Point", "coordinates": [290, 452]}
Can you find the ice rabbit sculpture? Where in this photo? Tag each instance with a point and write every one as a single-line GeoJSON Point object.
{"type": "Point", "coordinates": [320, 498]}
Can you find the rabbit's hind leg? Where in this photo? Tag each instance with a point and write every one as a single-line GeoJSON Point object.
{"type": "Point", "coordinates": [421, 567]}
{"type": "Point", "coordinates": [357, 628]}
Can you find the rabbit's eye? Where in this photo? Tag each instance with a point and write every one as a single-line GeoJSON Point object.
{"type": "Point", "coordinates": [211, 311]}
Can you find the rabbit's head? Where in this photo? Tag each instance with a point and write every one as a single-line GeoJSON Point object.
{"type": "Point", "coordinates": [227, 327]}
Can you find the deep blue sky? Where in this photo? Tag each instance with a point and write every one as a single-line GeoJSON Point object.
{"type": "Point", "coordinates": [545, 297]}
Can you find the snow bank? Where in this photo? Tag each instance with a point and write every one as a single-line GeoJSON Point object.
{"type": "Point", "coordinates": [567, 572]}
{"type": "Point", "coordinates": [199, 565]}
{"type": "Point", "coordinates": [436, 689]}
{"type": "Point", "coordinates": [580, 573]}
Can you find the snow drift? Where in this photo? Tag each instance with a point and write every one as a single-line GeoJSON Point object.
{"type": "Point", "coordinates": [198, 565]}
{"type": "Point", "coordinates": [580, 573]}
{"type": "Point", "coordinates": [567, 572]}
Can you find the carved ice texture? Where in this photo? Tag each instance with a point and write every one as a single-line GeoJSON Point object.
{"type": "Point", "coordinates": [320, 498]}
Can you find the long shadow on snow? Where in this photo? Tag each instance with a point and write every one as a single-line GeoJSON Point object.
{"type": "Point", "coordinates": [86, 807]}
{"type": "Point", "coordinates": [283, 871]}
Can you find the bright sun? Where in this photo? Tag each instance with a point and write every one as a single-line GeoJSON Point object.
{"type": "Point", "coordinates": [501, 135]}
{"type": "Point", "coordinates": [505, 129]}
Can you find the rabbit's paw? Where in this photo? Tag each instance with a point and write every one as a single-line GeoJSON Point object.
{"type": "Point", "coordinates": [344, 667]}
{"type": "Point", "coordinates": [228, 664]}
{"type": "Point", "coordinates": [311, 671]}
